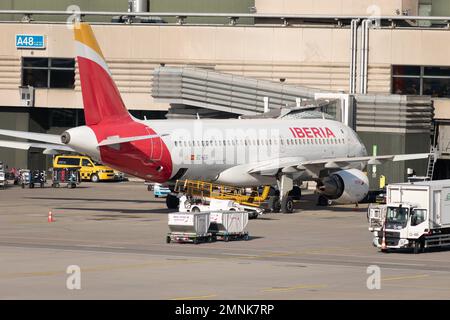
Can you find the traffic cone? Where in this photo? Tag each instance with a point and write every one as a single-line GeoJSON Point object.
{"type": "Point", "coordinates": [50, 217]}
{"type": "Point", "coordinates": [383, 242]}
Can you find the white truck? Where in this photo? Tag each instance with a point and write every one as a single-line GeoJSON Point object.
{"type": "Point", "coordinates": [416, 215]}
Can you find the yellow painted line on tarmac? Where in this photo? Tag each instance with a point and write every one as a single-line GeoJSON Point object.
{"type": "Point", "coordinates": [417, 276]}
{"type": "Point", "coordinates": [303, 286]}
{"type": "Point", "coordinates": [417, 287]}
{"type": "Point", "coordinates": [196, 297]}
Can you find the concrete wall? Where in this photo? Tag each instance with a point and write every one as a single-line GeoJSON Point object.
{"type": "Point", "coordinates": [317, 57]}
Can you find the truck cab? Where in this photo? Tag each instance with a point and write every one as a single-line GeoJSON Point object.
{"type": "Point", "coordinates": [402, 225]}
{"type": "Point", "coordinates": [405, 224]}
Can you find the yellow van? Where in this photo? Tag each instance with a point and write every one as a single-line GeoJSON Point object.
{"type": "Point", "coordinates": [89, 169]}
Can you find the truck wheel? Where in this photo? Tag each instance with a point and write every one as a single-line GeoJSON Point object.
{"type": "Point", "coordinates": [322, 201]}
{"type": "Point", "coordinates": [172, 202]}
{"type": "Point", "coordinates": [253, 215]}
{"type": "Point", "coordinates": [416, 247]}
{"type": "Point", "coordinates": [195, 209]}
{"type": "Point", "coordinates": [168, 239]}
{"type": "Point", "coordinates": [287, 205]}
{"type": "Point", "coordinates": [95, 178]}
{"type": "Point", "coordinates": [419, 246]}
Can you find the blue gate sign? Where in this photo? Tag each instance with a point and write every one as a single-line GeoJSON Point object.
{"type": "Point", "coordinates": [27, 41]}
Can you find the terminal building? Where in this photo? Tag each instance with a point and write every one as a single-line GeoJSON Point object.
{"type": "Point", "coordinates": [387, 69]}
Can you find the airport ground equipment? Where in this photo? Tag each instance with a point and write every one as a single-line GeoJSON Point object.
{"type": "Point", "coordinates": [3, 180]}
{"type": "Point", "coordinates": [201, 193]}
{"type": "Point", "coordinates": [416, 215]}
{"type": "Point", "coordinates": [68, 176]}
{"type": "Point", "coordinates": [229, 225]}
{"type": "Point", "coordinates": [90, 170]}
{"type": "Point", "coordinates": [192, 204]}
{"type": "Point", "coordinates": [189, 227]}
{"type": "Point", "coordinates": [31, 178]}
{"type": "Point", "coordinates": [160, 191]}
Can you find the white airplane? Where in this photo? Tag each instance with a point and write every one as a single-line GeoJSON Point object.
{"type": "Point", "coordinates": [239, 152]}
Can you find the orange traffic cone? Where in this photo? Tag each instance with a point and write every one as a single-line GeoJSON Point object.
{"type": "Point", "coordinates": [50, 217]}
{"type": "Point", "coordinates": [383, 242]}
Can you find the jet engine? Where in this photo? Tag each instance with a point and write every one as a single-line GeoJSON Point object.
{"type": "Point", "coordinates": [345, 186]}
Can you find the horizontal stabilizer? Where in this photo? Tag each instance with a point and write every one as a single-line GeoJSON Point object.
{"type": "Point", "coordinates": [42, 137]}
{"type": "Point", "coordinates": [27, 145]}
{"type": "Point", "coordinates": [117, 140]}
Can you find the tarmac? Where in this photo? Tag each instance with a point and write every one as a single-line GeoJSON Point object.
{"type": "Point", "coordinates": [116, 234]}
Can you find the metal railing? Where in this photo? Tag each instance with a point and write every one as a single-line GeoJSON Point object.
{"type": "Point", "coordinates": [182, 17]}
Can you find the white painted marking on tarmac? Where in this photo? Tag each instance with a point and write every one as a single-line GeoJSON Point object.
{"type": "Point", "coordinates": [239, 255]}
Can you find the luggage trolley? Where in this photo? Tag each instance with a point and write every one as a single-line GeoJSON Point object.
{"type": "Point", "coordinates": [229, 225]}
{"type": "Point", "coordinates": [32, 177]}
{"type": "Point", "coordinates": [69, 176]}
{"type": "Point", "coordinates": [190, 227]}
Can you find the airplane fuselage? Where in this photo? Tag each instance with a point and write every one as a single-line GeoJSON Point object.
{"type": "Point", "coordinates": [225, 150]}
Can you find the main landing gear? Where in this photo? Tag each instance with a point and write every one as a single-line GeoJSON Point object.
{"type": "Point", "coordinates": [288, 193]}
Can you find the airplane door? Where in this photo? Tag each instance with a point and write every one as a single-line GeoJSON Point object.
{"type": "Point", "coordinates": [155, 147]}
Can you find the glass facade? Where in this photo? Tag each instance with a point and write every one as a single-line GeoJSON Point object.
{"type": "Point", "coordinates": [421, 80]}
{"type": "Point", "coordinates": [48, 73]}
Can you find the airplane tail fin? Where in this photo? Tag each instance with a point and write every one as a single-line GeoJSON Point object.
{"type": "Point", "coordinates": [101, 98]}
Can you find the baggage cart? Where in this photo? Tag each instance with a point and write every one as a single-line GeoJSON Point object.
{"type": "Point", "coordinates": [189, 227]}
{"type": "Point", "coordinates": [229, 225]}
{"type": "Point", "coordinates": [31, 178]}
{"type": "Point", "coordinates": [68, 176]}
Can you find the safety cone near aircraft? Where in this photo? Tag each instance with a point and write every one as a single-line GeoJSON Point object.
{"type": "Point", "coordinates": [50, 217]}
{"type": "Point", "coordinates": [238, 152]}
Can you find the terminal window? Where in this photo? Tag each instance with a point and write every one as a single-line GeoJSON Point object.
{"type": "Point", "coordinates": [48, 72]}
{"type": "Point", "coordinates": [421, 80]}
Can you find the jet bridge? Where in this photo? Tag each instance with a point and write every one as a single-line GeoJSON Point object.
{"type": "Point", "coordinates": [208, 93]}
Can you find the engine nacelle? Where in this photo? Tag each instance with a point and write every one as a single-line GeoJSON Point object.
{"type": "Point", "coordinates": [345, 186]}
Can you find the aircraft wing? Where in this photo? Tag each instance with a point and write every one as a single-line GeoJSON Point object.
{"type": "Point", "coordinates": [49, 148]}
{"type": "Point", "coordinates": [42, 137]}
{"type": "Point", "coordinates": [292, 165]}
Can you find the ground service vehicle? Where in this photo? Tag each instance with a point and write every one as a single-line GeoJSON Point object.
{"type": "Point", "coordinates": [89, 169]}
{"type": "Point", "coordinates": [3, 180]}
{"type": "Point", "coordinates": [160, 191]}
{"type": "Point", "coordinates": [416, 215]}
{"type": "Point", "coordinates": [190, 204]}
